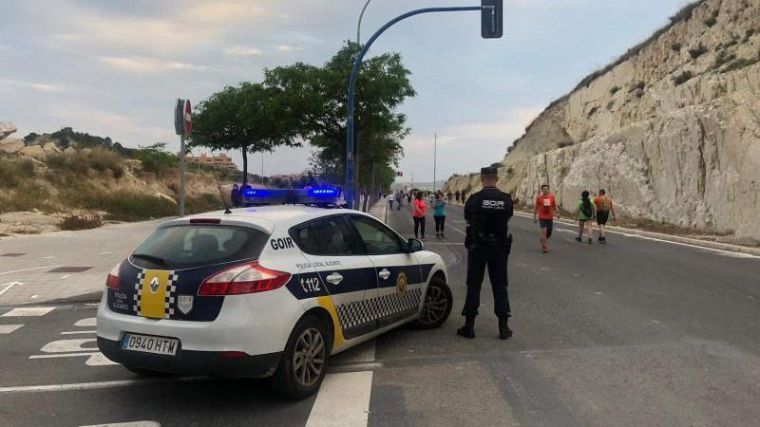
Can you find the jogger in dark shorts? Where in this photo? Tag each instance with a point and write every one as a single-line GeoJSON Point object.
{"type": "Point", "coordinates": [604, 207]}
{"type": "Point", "coordinates": [545, 210]}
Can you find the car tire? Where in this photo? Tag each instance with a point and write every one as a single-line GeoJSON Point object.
{"type": "Point", "coordinates": [436, 307]}
{"type": "Point", "coordinates": [310, 342]}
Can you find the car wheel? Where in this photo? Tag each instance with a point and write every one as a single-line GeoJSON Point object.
{"type": "Point", "coordinates": [437, 305]}
{"type": "Point", "coordinates": [304, 362]}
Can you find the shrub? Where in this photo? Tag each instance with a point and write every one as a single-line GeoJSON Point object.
{"type": "Point", "coordinates": [710, 21]}
{"type": "Point", "coordinates": [25, 197]}
{"type": "Point", "coordinates": [739, 64]}
{"type": "Point", "coordinates": [610, 104]}
{"type": "Point", "coordinates": [74, 222]}
{"type": "Point", "coordinates": [564, 144]}
{"type": "Point", "coordinates": [155, 160]}
{"type": "Point", "coordinates": [682, 78]}
{"type": "Point", "coordinates": [593, 111]}
{"type": "Point", "coordinates": [204, 203]}
{"type": "Point", "coordinates": [748, 34]}
{"type": "Point", "coordinates": [14, 172]}
{"type": "Point", "coordinates": [676, 47]}
{"type": "Point", "coordinates": [614, 90]}
{"type": "Point", "coordinates": [722, 58]}
{"type": "Point", "coordinates": [697, 51]}
{"type": "Point", "coordinates": [639, 85]}
{"type": "Point", "coordinates": [119, 205]}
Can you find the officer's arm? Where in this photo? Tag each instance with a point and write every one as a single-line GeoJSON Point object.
{"type": "Point", "coordinates": [510, 208]}
{"type": "Point", "coordinates": [468, 209]}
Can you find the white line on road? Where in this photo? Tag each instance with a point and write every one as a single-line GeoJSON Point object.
{"type": "Point", "coordinates": [62, 346]}
{"type": "Point", "coordinates": [77, 332]}
{"type": "Point", "coordinates": [8, 329]}
{"type": "Point", "coordinates": [65, 276]}
{"type": "Point", "coordinates": [27, 269]}
{"type": "Point", "coordinates": [61, 355]}
{"type": "Point", "coordinates": [105, 253]}
{"type": "Point", "coordinates": [9, 286]}
{"type": "Point", "coordinates": [86, 322]}
{"type": "Point", "coordinates": [443, 244]}
{"type": "Point", "coordinates": [28, 311]}
{"type": "Point", "coordinates": [90, 385]}
{"type": "Point", "coordinates": [144, 423]}
{"type": "Point", "coordinates": [35, 296]}
{"type": "Point", "coordinates": [343, 400]}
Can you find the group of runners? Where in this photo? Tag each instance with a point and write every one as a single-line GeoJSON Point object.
{"type": "Point", "coordinates": [588, 210]}
{"type": "Point", "coordinates": [419, 208]}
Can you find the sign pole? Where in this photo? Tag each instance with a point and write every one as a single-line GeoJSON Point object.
{"type": "Point", "coordinates": [182, 175]}
{"type": "Point", "coordinates": [435, 157]}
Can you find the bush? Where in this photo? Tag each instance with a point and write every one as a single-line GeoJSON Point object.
{"type": "Point", "coordinates": [593, 111]}
{"type": "Point", "coordinates": [697, 51]}
{"type": "Point", "coordinates": [564, 144]}
{"type": "Point", "coordinates": [205, 203]}
{"type": "Point", "coordinates": [639, 85]}
{"type": "Point", "coordinates": [723, 57]}
{"type": "Point", "coordinates": [610, 104]}
{"type": "Point", "coordinates": [74, 222]}
{"type": "Point", "coordinates": [14, 172]}
{"type": "Point", "coordinates": [710, 21]}
{"type": "Point", "coordinates": [614, 90]}
{"type": "Point", "coordinates": [676, 47]}
{"type": "Point", "coordinates": [739, 64]}
{"type": "Point", "coordinates": [748, 34]}
{"type": "Point", "coordinates": [25, 197]}
{"type": "Point", "coordinates": [682, 78]}
{"type": "Point", "coordinates": [119, 205]}
{"type": "Point", "coordinates": [155, 160]}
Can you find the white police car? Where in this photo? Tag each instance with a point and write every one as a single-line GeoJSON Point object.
{"type": "Point", "coordinates": [266, 291]}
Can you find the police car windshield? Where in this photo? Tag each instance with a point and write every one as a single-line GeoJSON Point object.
{"type": "Point", "coordinates": [188, 246]}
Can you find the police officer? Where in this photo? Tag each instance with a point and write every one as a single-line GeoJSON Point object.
{"type": "Point", "coordinates": [488, 242]}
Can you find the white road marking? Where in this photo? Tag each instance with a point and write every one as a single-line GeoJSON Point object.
{"type": "Point", "coordinates": [105, 253]}
{"type": "Point", "coordinates": [145, 423]}
{"type": "Point", "coordinates": [8, 286]}
{"type": "Point", "coordinates": [63, 346]}
{"type": "Point", "coordinates": [77, 332]}
{"type": "Point", "coordinates": [65, 276]}
{"type": "Point", "coordinates": [34, 296]}
{"type": "Point", "coordinates": [48, 257]}
{"type": "Point", "coordinates": [27, 269]}
{"type": "Point", "coordinates": [9, 329]}
{"type": "Point", "coordinates": [91, 385]}
{"type": "Point", "coordinates": [98, 359]}
{"type": "Point", "coordinates": [457, 230]}
{"type": "Point", "coordinates": [86, 322]}
{"type": "Point", "coordinates": [28, 311]}
{"type": "Point", "coordinates": [61, 355]}
{"type": "Point", "coordinates": [343, 400]}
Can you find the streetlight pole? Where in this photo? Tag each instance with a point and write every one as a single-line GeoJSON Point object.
{"type": "Point", "coordinates": [352, 184]}
{"type": "Point", "coordinates": [435, 155]}
{"type": "Point", "coordinates": [359, 24]}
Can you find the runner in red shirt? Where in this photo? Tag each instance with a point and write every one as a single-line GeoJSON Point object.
{"type": "Point", "coordinates": [419, 208]}
{"type": "Point", "coordinates": [546, 210]}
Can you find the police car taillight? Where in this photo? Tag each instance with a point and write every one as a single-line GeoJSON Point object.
{"type": "Point", "coordinates": [112, 281]}
{"type": "Point", "coordinates": [243, 279]}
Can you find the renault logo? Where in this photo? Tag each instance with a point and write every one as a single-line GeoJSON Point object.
{"type": "Point", "coordinates": [154, 285]}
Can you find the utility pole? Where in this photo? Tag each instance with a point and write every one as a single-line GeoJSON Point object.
{"type": "Point", "coordinates": [359, 24]}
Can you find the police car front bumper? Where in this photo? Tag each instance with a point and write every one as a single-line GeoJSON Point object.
{"type": "Point", "coordinates": [191, 362]}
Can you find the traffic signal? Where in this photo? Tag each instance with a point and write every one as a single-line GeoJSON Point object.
{"type": "Point", "coordinates": [491, 19]}
{"type": "Point", "coordinates": [399, 173]}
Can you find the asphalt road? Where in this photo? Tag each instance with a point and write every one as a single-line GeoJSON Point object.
{"type": "Point", "coordinates": [635, 332]}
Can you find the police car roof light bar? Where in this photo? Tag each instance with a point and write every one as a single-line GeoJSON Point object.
{"type": "Point", "coordinates": [320, 196]}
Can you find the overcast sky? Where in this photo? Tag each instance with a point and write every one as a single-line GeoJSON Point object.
{"type": "Point", "coordinates": [115, 68]}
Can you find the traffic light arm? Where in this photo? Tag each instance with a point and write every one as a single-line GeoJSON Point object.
{"type": "Point", "coordinates": [352, 185]}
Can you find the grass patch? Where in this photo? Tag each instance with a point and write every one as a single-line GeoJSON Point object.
{"type": "Point", "coordinates": [697, 51]}
{"type": "Point", "coordinates": [76, 222]}
{"type": "Point", "coordinates": [676, 47]}
{"type": "Point", "coordinates": [204, 203]}
{"type": "Point", "coordinates": [682, 78]}
{"type": "Point", "coordinates": [99, 160]}
{"type": "Point", "coordinates": [593, 111]}
{"type": "Point", "coordinates": [26, 197]}
{"type": "Point", "coordinates": [13, 173]}
{"type": "Point", "coordinates": [614, 90]}
{"type": "Point", "coordinates": [119, 205]}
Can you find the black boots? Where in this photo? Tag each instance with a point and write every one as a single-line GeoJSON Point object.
{"type": "Point", "coordinates": [468, 330]}
{"type": "Point", "coordinates": [504, 331]}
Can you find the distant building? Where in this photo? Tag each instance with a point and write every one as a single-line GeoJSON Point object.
{"type": "Point", "coordinates": [219, 160]}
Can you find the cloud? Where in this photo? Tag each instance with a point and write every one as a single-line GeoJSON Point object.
{"type": "Point", "coordinates": [286, 48]}
{"type": "Point", "coordinates": [139, 64]}
{"type": "Point", "coordinates": [38, 86]}
{"type": "Point", "coordinates": [108, 123]}
{"type": "Point", "coordinates": [242, 51]}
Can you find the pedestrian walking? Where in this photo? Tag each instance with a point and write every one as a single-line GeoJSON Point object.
{"type": "Point", "coordinates": [546, 211]}
{"type": "Point", "coordinates": [448, 197]}
{"type": "Point", "coordinates": [419, 208]}
{"type": "Point", "coordinates": [399, 198]}
{"type": "Point", "coordinates": [488, 243]}
{"type": "Point", "coordinates": [409, 198]}
{"type": "Point", "coordinates": [604, 207]}
{"type": "Point", "coordinates": [456, 194]}
{"type": "Point", "coordinates": [235, 196]}
{"type": "Point", "coordinates": [389, 198]}
{"type": "Point", "coordinates": [586, 212]}
{"type": "Point", "coordinates": [439, 214]}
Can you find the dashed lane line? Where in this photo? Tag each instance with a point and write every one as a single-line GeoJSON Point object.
{"type": "Point", "coordinates": [93, 385]}
{"type": "Point", "coordinates": [78, 332]}
{"type": "Point", "coordinates": [86, 322]}
{"type": "Point", "coordinates": [9, 329]}
{"type": "Point", "coordinates": [27, 269]}
{"type": "Point", "coordinates": [8, 287]}
{"type": "Point", "coordinates": [28, 312]}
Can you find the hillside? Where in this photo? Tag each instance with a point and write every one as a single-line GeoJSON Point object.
{"type": "Point", "coordinates": [47, 179]}
{"type": "Point", "coordinates": [672, 129]}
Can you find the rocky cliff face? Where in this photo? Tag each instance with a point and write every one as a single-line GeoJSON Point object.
{"type": "Point", "coordinates": [672, 129]}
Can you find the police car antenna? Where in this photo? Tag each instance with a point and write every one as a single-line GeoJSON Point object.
{"type": "Point", "coordinates": [221, 193]}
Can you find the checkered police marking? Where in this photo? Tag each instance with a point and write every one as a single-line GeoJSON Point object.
{"type": "Point", "coordinates": [169, 295]}
{"type": "Point", "coordinates": [358, 313]}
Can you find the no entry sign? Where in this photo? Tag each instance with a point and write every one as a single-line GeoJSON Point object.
{"type": "Point", "coordinates": [183, 117]}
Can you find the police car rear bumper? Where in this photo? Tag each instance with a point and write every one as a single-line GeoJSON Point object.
{"type": "Point", "coordinates": [190, 362]}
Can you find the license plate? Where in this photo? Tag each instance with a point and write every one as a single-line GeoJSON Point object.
{"type": "Point", "coordinates": [150, 344]}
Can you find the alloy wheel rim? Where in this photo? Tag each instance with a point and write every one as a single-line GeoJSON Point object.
{"type": "Point", "coordinates": [309, 357]}
{"type": "Point", "coordinates": [435, 306]}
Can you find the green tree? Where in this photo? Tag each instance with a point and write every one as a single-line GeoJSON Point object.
{"type": "Point", "coordinates": [248, 117]}
{"type": "Point", "coordinates": [316, 98]}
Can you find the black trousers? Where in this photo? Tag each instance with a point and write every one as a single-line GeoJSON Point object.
{"type": "Point", "coordinates": [419, 223]}
{"type": "Point", "coordinates": [440, 221]}
{"type": "Point", "coordinates": [496, 260]}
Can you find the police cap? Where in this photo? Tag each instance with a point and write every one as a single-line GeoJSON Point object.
{"type": "Point", "coordinates": [490, 170]}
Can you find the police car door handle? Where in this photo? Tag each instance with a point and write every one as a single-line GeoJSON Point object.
{"type": "Point", "coordinates": [384, 274]}
{"type": "Point", "coordinates": [334, 278]}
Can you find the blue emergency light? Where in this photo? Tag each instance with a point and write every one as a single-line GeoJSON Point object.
{"type": "Point", "coordinates": [322, 196]}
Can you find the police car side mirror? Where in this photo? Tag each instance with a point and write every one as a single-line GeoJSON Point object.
{"type": "Point", "coordinates": [414, 245]}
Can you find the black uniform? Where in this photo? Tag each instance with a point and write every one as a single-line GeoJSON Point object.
{"type": "Point", "coordinates": [488, 243]}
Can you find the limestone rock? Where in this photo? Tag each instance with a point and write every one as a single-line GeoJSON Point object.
{"type": "Point", "coordinates": [6, 128]}
{"type": "Point", "coordinates": [34, 151]}
{"type": "Point", "coordinates": [70, 150]}
{"type": "Point", "coordinates": [670, 129]}
{"type": "Point", "coordinates": [51, 148]}
{"type": "Point", "coordinates": [11, 145]}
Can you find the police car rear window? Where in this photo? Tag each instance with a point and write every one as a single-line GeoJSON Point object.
{"type": "Point", "coordinates": [186, 246]}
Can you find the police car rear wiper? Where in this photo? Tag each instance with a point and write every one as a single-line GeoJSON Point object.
{"type": "Point", "coordinates": [151, 258]}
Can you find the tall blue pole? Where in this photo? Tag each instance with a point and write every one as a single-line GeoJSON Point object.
{"type": "Point", "coordinates": [351, 189]}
